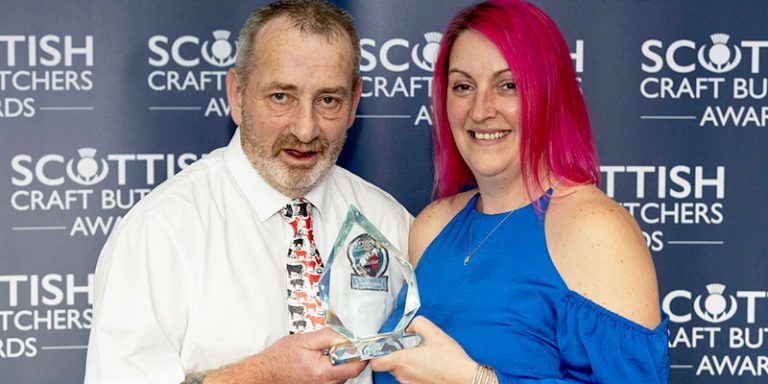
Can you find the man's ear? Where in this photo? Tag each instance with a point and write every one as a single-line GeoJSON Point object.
{"type": "Point", "coordinates": [234, 93]}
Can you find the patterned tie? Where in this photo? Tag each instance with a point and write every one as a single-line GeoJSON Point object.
{"type": "Point", "coordinates": [305, 310]}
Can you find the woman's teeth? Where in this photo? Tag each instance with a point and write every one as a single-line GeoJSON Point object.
{"type": "Point", "coordinates": [490, 136]}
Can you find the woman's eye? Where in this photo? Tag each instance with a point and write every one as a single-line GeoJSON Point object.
{"type": "Point", "coordinates": [509, 86]}
{"type": "Point", "coordinates": [461, 88]}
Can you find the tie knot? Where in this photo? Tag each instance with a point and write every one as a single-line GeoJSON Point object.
{"type": "Point", "coordinates": [297, 209]}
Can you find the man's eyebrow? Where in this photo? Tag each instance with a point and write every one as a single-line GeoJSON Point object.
{"type": "Point", "coordinates": [275, 85]}
{"type": "Point", "coordinates": [334, 90]}
{"type": "Point", "coordinates": [281, 86]}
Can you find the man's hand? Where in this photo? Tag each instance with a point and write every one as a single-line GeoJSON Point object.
{"type": "Point", "coordinates": [292, 359]}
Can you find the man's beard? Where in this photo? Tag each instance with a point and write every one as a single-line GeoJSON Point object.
{"type": "Point", "coordinates": [291, 180]}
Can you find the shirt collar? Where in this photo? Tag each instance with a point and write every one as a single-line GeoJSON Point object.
{"type": "Point", "coordinates": [265, 200]}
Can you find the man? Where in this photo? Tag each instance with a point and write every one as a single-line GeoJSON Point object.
{"type": "Point", "coordinates": [213, 276]}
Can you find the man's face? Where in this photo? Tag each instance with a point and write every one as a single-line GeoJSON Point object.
{"type": "Point", "coordinates": [297, 106]}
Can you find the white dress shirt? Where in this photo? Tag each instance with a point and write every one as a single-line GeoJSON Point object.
{"type": "Point", "coordinates": [194, 276]}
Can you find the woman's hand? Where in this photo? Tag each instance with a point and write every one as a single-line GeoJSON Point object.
{"type": "Point", "coordinates": [440, 359]}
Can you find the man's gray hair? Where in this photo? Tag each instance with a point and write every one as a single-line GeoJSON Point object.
{"type": "Point", "coordinates": [310, 16]}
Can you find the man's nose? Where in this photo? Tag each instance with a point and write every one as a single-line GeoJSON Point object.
{"type": "Point", "coordinates": [305, 126]}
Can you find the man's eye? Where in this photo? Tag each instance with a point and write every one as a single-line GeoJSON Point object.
{"type": "Point", "coordinates": [328, 100]}
{"type": "Point", "coordinates": [279, 97]}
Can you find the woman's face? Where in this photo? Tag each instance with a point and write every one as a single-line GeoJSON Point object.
{"type": "Point", "coordinates": [483, 108]}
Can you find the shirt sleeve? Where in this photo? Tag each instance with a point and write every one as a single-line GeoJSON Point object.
{"type": "Point", "coordinates": [140, 305]}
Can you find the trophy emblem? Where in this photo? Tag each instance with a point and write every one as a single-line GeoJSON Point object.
{"type": "Point", "coordinates": [369, 262]}
{"type": "Point", "coordinates": [358, 286]}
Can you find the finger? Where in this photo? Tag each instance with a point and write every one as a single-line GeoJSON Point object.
{"type": "Point", "coordinates": [422, 326]}
{"type": "Point", "coordinates": [346, 370]}
{"type": "Point", "coordinates": [339, 340]}
{"type": "Point", "coordinates": [415, 323]}
{"type": "Point", "coordinates": [384, 364]}
{"type": "Point", "coordinates": [322, 339]}
{"type": "Point", "coordinates": [392, 360]}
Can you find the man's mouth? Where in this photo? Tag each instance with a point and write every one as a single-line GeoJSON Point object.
{"type": "Point", "coordinates": [299, 154]}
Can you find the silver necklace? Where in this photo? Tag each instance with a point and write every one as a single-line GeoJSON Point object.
{"type": "Point", "coordinates": [471, 223]}
{"type": "Point", "coordinates": [503, 219]}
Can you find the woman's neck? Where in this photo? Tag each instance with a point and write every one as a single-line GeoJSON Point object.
{"type": "Point", "coordinates": [501, 195]}
{"type": "Point", "coordinates": [504, 195]}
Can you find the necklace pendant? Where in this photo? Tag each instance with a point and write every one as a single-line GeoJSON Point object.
{"type": "Point", "coordinates": [466, 259]}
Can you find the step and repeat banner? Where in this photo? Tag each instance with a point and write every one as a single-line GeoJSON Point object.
{"type": "Point", "coordinates": [101, 101]}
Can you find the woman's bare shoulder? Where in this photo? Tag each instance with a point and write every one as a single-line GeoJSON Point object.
{"type": "Point", "coordinates": [432, 219]}
{"type": "Point", "coordinates": [599, 250]}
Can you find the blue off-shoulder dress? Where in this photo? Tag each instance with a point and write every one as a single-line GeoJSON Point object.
{"type": "Point", "coordinates": [509, 308]}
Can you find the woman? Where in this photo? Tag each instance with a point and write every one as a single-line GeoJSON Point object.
{"type": "Point", "coordinates": [535, 275]}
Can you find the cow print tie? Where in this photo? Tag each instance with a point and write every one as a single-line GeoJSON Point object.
{"type": "Point", "coordinates": [304, 267]}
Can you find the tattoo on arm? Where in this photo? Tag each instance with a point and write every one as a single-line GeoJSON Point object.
{"type": "Point", "coordinates": [194, 378]}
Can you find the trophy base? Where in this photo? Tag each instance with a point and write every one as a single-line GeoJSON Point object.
{"type": "Point", "coordinates": [370, 348]}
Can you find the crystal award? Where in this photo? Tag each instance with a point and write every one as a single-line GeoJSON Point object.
{"type": "Point", "coordinates": [359, 287]}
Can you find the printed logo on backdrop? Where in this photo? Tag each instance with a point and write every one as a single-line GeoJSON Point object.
{"type": "Point", "coordinates": [34, 65]}
{"type": "Point", "coordinates": [721, 330]}
{"type": "Point", "coordinates": [663, 198]}
{"type": "Point", "coordinates": [401, 69]}
{"type": "Point", "coordinates": [88, 190]}
{"type": "Point", "coordinates": [33, 308]}
{"type": "Point", "coordinates": [725, 72]}
{"type": "Point", "coordinates": [192, 65]}
{"type": "Point", "coordinates": [718, 330]}
{"type": "Point", "coordinates": [396, 68]}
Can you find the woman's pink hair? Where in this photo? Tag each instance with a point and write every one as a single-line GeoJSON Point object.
{"type": "Point", "coordinates": [555, 138]}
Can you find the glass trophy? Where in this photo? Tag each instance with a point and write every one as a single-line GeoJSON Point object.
{"type": "Point", "coordinates": [359, 288]}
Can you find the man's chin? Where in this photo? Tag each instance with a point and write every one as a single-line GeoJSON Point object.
{"type": "Point", "coordinates": [293, 179]}
{"type": "Point", "coordinates": [298, 179]}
